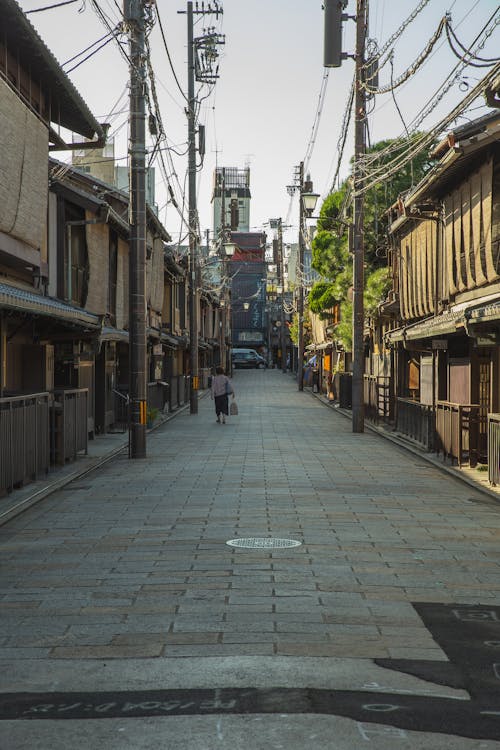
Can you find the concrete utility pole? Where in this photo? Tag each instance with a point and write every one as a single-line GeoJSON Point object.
{"type": "Point", "coordinates": [133, 11]}
{"type": "Point", "coordinates": [202, 55]}
{"type": "Point", "coordinates": [193, 225]}
{"type": "Point", "coordinates": [281, 281]}
{"type": "Point", "coordinates": [333, 56]}
{"type": "Point", "coordinates": [358, 410]}
{"type": "Point", "coordinates": [300, 288]}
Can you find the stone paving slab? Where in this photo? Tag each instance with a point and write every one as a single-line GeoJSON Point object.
{"type": "Point", "coordinates": [134, 567]}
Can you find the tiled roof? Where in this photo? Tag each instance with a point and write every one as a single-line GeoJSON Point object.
{"type": "Point", "coordinates": [23, 300]}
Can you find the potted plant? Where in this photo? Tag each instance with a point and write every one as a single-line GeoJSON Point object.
{"type": "Point", "coordinates": [151, 414]}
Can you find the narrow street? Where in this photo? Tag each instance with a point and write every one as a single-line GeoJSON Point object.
{"type": "Point", "coordinates": [128, 622]}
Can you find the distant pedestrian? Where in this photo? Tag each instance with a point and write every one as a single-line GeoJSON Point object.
{"type": "Point", "coordinates": [221, 390]}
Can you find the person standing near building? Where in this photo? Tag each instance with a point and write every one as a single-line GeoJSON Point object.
{"type": "Point", "coordinates": [221, 389]}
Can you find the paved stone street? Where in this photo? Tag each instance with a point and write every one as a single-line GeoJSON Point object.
{"type": "Point", "coordinates": [123, 580]}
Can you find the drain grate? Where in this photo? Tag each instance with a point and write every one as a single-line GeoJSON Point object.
{"type": "Point", "coordinates": [263, 543]}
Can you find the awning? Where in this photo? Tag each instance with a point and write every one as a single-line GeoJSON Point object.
{"type": "Point", "coordinates": [485, 313]}
{"type": "Point", "coordinates": [114, 334]}
{"type": "Point", "coordinates": [24, 301]}
{"type": "Point", "coordinates": [169, 341]}
{"type": "Point", "coordinates": [447, 323]}
{"type": "Point", "coordinates": [320, 347]}
{"type": "Point", "coordinates": [438, 325]}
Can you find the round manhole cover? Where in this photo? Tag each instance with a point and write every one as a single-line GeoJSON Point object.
{"type": "Point", "coordinates": [263, 543]}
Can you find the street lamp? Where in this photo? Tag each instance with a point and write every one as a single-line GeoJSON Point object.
{"type": "Point", "coordinates": [227, 248]}
{"type": "Point", "coordinates": [309, 199]}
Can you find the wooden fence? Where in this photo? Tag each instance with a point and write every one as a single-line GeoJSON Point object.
{"type": "Point", "coordinates": [24, 439]}
{"type": "Point", "coordinates": [457, 431]}
{"type": "Point", "coordinates": [417, 421]}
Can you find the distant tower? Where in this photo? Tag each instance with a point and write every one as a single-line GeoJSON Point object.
{"type": "Point", "coordinates": [234, 184]}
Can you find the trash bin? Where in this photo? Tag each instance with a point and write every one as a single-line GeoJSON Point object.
{"type": "Point", "coordinates": [345, 390]}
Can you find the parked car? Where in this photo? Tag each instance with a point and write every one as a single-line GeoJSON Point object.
{"type": "Point", "coordinates": [247, 358]}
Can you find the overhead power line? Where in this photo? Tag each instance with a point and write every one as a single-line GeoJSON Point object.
{"type": "Point", "coordinates": [343, 134]}
{"type": "Point", "coordinates": [412, 69]}
{"type": "Point", "coordinates": [452, 77]}
{"type": "Point", "coordinates": [168, 54]}
{"type": "Point", "coordinates": [109, 39]}
{"type": "Point", "coordinates": [398, 32]}
{"type": "Point", "coordinates": [387, 170]}
{"type": "Point", "coordinates": [317, 119]}
{"type": "Point", "coordinates": [51, 7]}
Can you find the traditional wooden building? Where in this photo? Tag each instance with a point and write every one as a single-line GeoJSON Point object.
{"type": "Point", "coordinates": [444, 307]}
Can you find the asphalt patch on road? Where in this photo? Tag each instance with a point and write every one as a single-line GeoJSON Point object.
{"type": "Point", "coordinates": [469, 635]}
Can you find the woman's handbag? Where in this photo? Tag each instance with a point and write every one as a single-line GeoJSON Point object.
{"type": "Point", "coordinates": [233, 408]}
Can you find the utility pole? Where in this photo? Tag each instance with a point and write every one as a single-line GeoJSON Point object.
{"type": "Point", "coordinates": [300, 289]}
{"type": "Point", "coordinates": [358, 415]}
{"type": "Point", "coordinates": [307, 204]}
{"type": "Point", "coordinates": [193, 224]}
{"type": "Point", "coordinates": [281, 281]}
{"type": "Point", "coordinates": [333, 56]}
{"type": "Point", "coordinates": [224, 264]}
{"type": "Point", "coordinates": [202, 54]}
{"type": "Point", "coordinates": [135, 20]}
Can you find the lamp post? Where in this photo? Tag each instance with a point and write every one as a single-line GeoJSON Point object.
{"type": "Point", "coordinates": [228, 249]}
{"type": "Point", "coordinates": [307, 204]}
{"type": "Point", "coordinates": [280, 288]}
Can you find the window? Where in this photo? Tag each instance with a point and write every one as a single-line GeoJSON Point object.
{"type": "Point", "coordinates": [112, 275]}
{"type": "Point", "coordinates": [73, 264]}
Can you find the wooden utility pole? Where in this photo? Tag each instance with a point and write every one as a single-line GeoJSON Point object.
{"type": "Point", "coordinates": [135, 20]}
{"type": "Point", "coordinates": [358, 416]}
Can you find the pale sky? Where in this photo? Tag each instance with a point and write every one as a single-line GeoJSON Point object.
{"type": "Point", "coordinates": [262, 110]}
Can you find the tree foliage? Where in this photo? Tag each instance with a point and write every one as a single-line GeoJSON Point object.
{"type": "Point", "coordinates": [294, 330]}
{"type": "Point", "coordinates": [330, 247]}
{"type": "Point", "coordinates": [376, 287]}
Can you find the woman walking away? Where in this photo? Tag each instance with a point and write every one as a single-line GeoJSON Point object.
{"type": "Point", "coordinates": [221, 388]}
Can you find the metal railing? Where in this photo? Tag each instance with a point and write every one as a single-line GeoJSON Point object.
{"type": "Point", "coordinates": [69, 431]}
{"type": "Point", "coordinates": [120, 410]}
{"type": "Point", "coordinates": [376, 395]}
{"type": "Point", "coordinates": [457, 431]}
{"type": "Point", "coordinates": [417, 421]}
{"type": "Point", "coordinates": [494, 449]}
{"type": "Point", "coordinates": [24, 439]}
{"type": "Point", "coordinates": [205, 373]}
{"type": "Point", "coordinates": [158, 394]}
{"type": "Point", "coordinates": [178, 390]}
{"type": "Point", "coordinates": [343, 389]}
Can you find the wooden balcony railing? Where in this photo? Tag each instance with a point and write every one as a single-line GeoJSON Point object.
{"type": "Point", "coordinates": [457, 431]}
{"type": "Point", "coordinates": [376, 395]}
{"type": "Point", "coordinates": [417, 421]}
{"type": "Point", "coordinates": [494, 448]}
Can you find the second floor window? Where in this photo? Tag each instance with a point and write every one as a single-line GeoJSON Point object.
{"type": "Point", "coordinates": [113, 274]}
{"type": "Point", "coordinates": [73, 265]}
